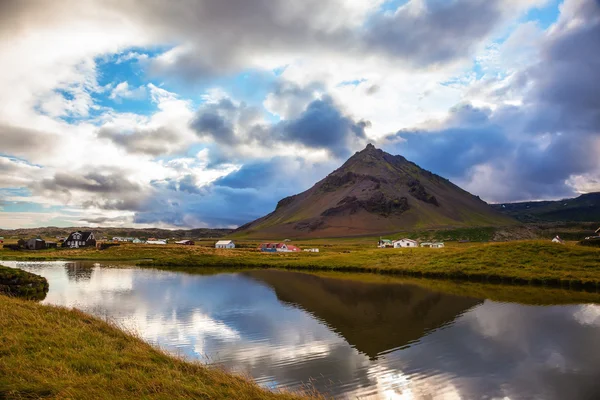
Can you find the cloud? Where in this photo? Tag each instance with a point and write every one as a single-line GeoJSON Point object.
{"type": "Point", "coordinates": [153, 142]}
{"type": "Point", "coordinates": [212, 39]}
{"type": "Point", "coordinates": [321, 125]}
{"type": "Point", "coordinates": [123, 91]}
{"type": "Point", "coordinates": [18, 141]}
{"type": "Point", "coordinates": [109, 189]}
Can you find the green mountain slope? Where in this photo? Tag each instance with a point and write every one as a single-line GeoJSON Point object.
{"type": "Point", "coordinates": [585, 208]}
{"type": "Point", "coordinates": [375, 193]}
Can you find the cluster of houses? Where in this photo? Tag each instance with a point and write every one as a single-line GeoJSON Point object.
{"type": "Point", "coordinates": [280, 247]}
{"type": "Point", "coordinates": [401, 243]}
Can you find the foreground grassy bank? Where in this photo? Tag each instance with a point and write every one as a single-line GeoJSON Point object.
{"type": "Point", "coordinates": [523, 262]}
{"type": "Point", "coordinates": [22, 284]}
{"type": "Point", "coordinates": [52, 352]}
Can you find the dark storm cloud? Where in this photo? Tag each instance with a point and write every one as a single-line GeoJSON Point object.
{"type": "Point", "coordinates": [321, 125]}
{"type": "Point", "coordinates": [153, 142]}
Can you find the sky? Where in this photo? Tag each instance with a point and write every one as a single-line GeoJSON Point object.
{"type": "Point", "coordinates": [188, 114]}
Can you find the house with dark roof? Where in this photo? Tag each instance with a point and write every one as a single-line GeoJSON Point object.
{"type": "Point", "coordinates": [35, 244]}
{"type": "Point", "coordinates": [80, 239]}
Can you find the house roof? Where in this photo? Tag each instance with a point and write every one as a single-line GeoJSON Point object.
{"type": "Point", "coordinates": [405, 240]}
{"type": "Point", "coordinates": [598, 230]}
{"type": "Point", "coordinates": [293, 248]}
{"type": "Point", "coordinates": [280, 245]}
{"type": "Point", "coordinates": [84, 236]}
{"type": "Point", "coordinates": [224, 242]}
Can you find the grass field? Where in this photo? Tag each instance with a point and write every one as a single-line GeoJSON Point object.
{"type": "Point", "coordinates": [53, 352]}
{"type": "Point", "coordinates": [520, 262]}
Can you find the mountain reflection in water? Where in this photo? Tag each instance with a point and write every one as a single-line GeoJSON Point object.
{"type": "Point", "coordinates": [347, 338]}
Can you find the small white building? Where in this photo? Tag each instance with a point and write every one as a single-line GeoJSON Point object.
{"type": "Point", "coordinates": [312, 250]}
{"type": "Point", "coordinates": [156, 242]}
{"type": "Point", "coordinates": [225, 244]}
{"type": "Point", "coordinates": [557, 239]}
{"type": "Point", "coordinates": [435, 245]}
{"type": "Point", "coordinates": [405, 243]}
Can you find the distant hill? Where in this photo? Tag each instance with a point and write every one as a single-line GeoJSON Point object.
{"type": "Point", "coordinates": [585, 208]}
{"type": "Point", "coordinates": [53, 231]}
{"type": "Point", "coordinates": [375, 193]}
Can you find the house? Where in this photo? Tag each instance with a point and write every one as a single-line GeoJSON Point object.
{"type": "Point", "coordinates": [51, 245]}
{"type": "Point", "coordinates": [186, 242]}
{"type": "Point", "coordinates": [385, 243]}
{"type": "Point", "coordinates": [557, 239]}
{"type": "Point", "coordinates": [138, 241]}
{"type": "Point", "coordinates": [156, 241]}
{"type": "Point", "coordinates": [312, 250]}
{"type": "Point", "coordinates": [80, 239]}
{"type": "Point", "coordinates": [225, 244]}
{"type": "Point", "coordinates": [278, 247]}
{"type": "Point", "coordinates": [405, 243]}
{"type": "Point", "coordinates": [35, 244]}
{"type": "Point", "coordinates": [268, 247]}
{"type": "Point", "coordinates": [290, 248]}
{"type": "Point", "coordinates": [434, 245]}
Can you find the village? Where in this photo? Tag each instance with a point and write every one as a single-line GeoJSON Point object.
{"type": "Point", "coordinates": [87, 239]}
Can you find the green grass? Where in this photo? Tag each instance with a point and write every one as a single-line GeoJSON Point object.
{"type": "Point", "coordinates": [18, 283]}
{"type": "Point", "coordinates": [521, 262]}
{"type": "Point", "coordinates": [53, 352]}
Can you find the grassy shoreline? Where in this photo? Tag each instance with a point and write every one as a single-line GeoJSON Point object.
{"type": "Point", "coordinates": [521, 263]}
{"type": "Point", "coordinates": [22, 284]}
{"type": "Point", "coordinates": [54, 352]}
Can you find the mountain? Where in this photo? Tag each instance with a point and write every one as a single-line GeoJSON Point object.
{"type": "Point", "coordinates": [374, 193]}
{"type": "Point", "coordinates": [585, 208]}
{"type": "Point", "coordinates": [52, 231]}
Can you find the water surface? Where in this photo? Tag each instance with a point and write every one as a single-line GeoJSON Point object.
{"type": "Point", "coordinates": [346, 338]}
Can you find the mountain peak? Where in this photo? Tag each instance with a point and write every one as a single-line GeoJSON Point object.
{"type": "Point", "coordinates": [374, 192]}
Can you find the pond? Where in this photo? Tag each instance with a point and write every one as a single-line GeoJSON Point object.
{"type": "Point", "coordinates": [356, 337]}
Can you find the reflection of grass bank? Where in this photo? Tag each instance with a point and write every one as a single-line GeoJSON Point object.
{"type": "Point", "coordinates": [58, 353]}
{"type": "Point", "coordinates": [525, 262]}
{"type": "Point", "coordinates": [18, 283]}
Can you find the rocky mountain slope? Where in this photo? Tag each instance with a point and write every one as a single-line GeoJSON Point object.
{"type": "Point", "coordinates": [375, 193]}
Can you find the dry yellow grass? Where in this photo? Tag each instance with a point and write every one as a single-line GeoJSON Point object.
{"type": "Point", "coordinates": [53, 352]}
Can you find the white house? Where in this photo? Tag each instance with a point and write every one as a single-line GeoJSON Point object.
{"type": "Point", "coordinates": [405, 243]}
{"type": "Point", "coordinates": [557, 239]}
{"type": "Point", "coordinates": [156, 242]}
{"type": "Point", "coordinates": [225, 244]}
{"type": "Point", "coordinates": [436, 245]}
